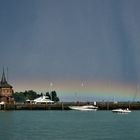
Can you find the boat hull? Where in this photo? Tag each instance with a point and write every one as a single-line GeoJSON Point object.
{"type": "Point", "coordinates": [83, 108]}
{"type": "Point", "coordinates": [121, 111]}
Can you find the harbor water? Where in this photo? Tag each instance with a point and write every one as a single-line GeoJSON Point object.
{"type": "Point", "coordinates": [69, 125]}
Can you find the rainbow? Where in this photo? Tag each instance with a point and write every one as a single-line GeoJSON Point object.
{"type": "Point", "coordinates": [83, 89]}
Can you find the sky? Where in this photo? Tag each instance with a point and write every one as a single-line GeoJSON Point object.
{"type": "Point", "coordinates": [85, 48]}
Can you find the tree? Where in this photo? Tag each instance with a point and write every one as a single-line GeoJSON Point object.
{"type": "Point", "coordinates": [19, 97]}
{"type": "Point", "coordinates": [31, 95]}
{"type": "Point", "coordinates": [54, 97]}
{"type": "Point", "coordinates": [47, 94]}
{"type": "Point", "coordinates": [41, 94]}
{"type": "Point", "coordinates": [23, 96]}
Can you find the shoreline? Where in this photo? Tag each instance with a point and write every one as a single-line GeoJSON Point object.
{"type": "Point", "coordinates": [65, 106]}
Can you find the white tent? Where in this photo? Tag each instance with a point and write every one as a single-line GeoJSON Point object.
{"type": "Point", "coordinates": [43, 99]}
{"type": "Point", "coordinates": [2, 103]}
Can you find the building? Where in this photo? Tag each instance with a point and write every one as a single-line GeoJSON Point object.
{"type": "Point", "coordinates": [6, 90]}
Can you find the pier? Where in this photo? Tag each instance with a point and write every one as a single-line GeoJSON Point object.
{"type": "Point", "coordinates": [65, 106]}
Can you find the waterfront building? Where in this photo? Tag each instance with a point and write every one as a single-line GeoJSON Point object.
{"type": "Point", "coordinates": [6, 90]}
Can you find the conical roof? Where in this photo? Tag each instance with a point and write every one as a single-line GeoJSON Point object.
{"type": "Point", "coordinates": [3, 79]}
{"type": "Point", "coordinates": [3, 83]}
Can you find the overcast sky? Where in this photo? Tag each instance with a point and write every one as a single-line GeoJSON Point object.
{"type": "Point", "coordinates": [76, 39]}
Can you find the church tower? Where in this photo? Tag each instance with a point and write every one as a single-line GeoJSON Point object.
{"type": "Point", "coordinates": [6, 90]}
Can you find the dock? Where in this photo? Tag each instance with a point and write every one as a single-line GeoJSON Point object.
{"type": "Point", "coordinates": [65, 106]}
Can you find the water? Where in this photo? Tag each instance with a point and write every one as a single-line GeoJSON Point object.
{"type": "Point", "coordinates": [69, 125]}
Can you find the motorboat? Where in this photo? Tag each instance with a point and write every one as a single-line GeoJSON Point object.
{"type": "Point", "coordinates": [121, 110]}
{"type": "Point", "coordinates": [84, 108]}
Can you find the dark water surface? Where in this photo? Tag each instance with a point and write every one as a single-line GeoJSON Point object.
{"type": "Point", "coordinates": [69, 125]}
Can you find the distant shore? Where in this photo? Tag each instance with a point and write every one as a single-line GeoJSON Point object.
{"type": "Point", "coordinates": [65, 106]}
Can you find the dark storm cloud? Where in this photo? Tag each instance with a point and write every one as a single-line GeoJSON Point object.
{"type": "Point", "coordinates": [83, 39]}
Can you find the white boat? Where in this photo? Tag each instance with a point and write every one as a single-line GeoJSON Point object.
{"type": "Point", "coordinates": [121, 110]}
{"type": "Point", "coordinates": [84, 108]}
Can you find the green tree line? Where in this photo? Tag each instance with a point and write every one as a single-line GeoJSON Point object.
{"type": "Point", "coordinates": [31, 95]}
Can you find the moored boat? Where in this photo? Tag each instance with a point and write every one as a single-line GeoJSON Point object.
{"type": "Point", "coordinates": [84, 108]}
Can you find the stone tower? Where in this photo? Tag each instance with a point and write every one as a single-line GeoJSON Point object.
{"type": "Point", "coordinates": [6, 90]}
